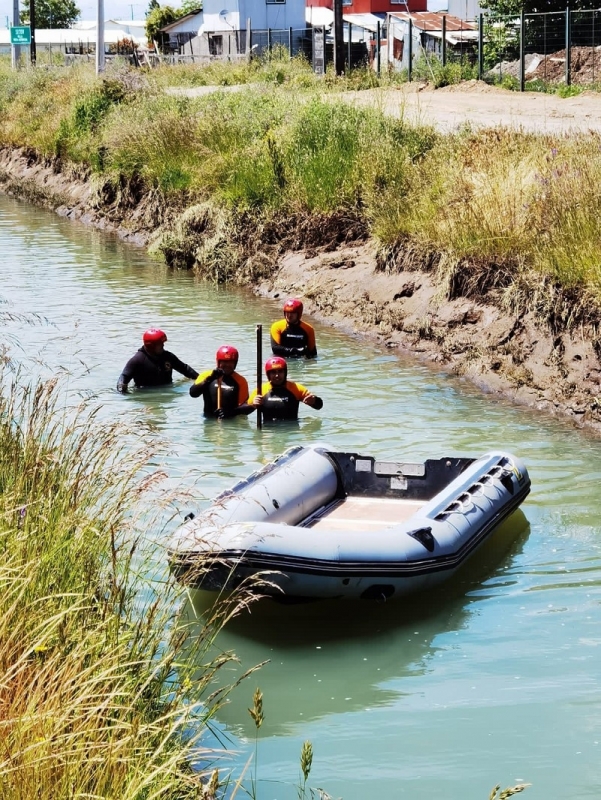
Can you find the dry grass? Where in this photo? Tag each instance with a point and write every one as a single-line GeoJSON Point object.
{"type": "Point", "coordinates": [96, 697]}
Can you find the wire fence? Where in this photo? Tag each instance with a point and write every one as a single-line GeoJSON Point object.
{"type": "Point", "coordinates": [558, 47]}
{"type": "Point", "coordinates": [523, 51]}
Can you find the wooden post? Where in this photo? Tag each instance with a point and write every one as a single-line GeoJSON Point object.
{"type": "Point", "coordinates": [259, 371]}
{"type": "Point", "coordinates": [338, 38]}
{"type": "Point", "coordinates": [444, 40]}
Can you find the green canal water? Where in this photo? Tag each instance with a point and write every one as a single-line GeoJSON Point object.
{"type": "Point", "coordinates": [494, 679]}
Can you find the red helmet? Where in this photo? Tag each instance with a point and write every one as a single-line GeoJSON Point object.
{"type": "Point", "coordinates": [293, 305]}
{"type": "Point", "coordinates": [275, 362]}
{"type": "Point", "coordinates": [154, 335]}
{"type": "Point", "coordinates": [227, 353]}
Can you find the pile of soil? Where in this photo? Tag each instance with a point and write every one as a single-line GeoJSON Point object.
{"type": "Point", "coordinates": [585, 66]}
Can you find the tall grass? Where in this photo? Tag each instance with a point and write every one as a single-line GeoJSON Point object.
{"type": "Point", "coordinates": [480, 200]}
{"type": "Point", "coordinates": [95, 697]}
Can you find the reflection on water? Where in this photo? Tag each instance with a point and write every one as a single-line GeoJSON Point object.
{"type": "Point", "coordinates": [335, 657]}
{"type": "Point", "coordinates": [494, 679]}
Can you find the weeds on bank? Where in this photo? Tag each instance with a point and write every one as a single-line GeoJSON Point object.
{"type": "Point", "coordinates": [95, 697]}
{"type": "Point", "coordinates": [494, 206]}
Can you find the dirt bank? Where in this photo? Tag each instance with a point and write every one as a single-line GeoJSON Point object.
{"type": "Point", "coordinates": [403, 310]}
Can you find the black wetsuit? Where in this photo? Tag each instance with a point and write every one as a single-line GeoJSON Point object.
{"type": "Point", "coordinates": [293, 341]}
{"type": "Point", "coordinates": [234, 392]}
{"type": "Point", "coordinates": [282, 402]}
{"type": "Point", "coordinates": [152, 370]}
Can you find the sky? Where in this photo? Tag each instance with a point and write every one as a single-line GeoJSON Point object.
{"type": "Point", "coordinates": [119, 9]}
{"type": "Point", "coordinates": [113, 9]}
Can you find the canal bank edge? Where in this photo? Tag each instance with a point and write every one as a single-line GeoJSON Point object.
{"type": "Point", "coordinates": [404, 311]}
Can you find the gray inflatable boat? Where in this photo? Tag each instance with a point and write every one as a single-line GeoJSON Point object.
{"type": "Point", "coordinates": [316, 523]}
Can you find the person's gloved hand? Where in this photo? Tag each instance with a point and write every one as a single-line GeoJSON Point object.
{"type": "Point", "coordinates": [122, 387]}
{"type": "Point", "coordinates": [219, 414]}
{"type": "Point", "coordinates": [217, 373]}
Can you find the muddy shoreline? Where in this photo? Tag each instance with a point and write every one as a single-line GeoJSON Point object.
{"type": "Point", "coordinates": [403, 311]}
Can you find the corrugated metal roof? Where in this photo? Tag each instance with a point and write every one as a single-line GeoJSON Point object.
{"type": "Point", "coordinates": [432, 21]}
{"type": "Point", "coordinates": [367, 21]}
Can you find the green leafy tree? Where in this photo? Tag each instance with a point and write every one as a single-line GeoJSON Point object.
{"type": "Point", "coordinates": [190, 7]}
{"type": "Point", "coordinates": [514, 7]}
{"type": "Point", "coordinates": [52, 13]}
{"type": "Point", "coordinates": [157, 19]}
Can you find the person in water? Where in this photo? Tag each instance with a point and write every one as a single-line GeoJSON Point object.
{"type": "Point", "coordinates": [152, 365]}
{"type": "Point", "coordinates": [224, 391]}
{"type": "Point", "coordinates": [290, 337]}
{"type": "Point", "coordinates": [279, 397]}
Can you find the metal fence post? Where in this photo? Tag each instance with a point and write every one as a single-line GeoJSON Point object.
{"type": "Point", "coordinates": [522, 52]}
{"type": "Point", "coordinates": [290, 42]}
{"type": "Point", "coordinates": [269, 44]}
{"type": "Point", "coordinates": [444, 40]}
{"type": "Point", "coordinates": [480, 47]}
{"type": "Point", "coordinates": [410, 51]}
{"type": "Point", "coordinates": [568, 47]}
{"type": "Point", "coordinates": [349, 49]}
{"type": "Point", "coordinates": [593, 13]}
{"type": "Point", "coordinates": [378, 61]}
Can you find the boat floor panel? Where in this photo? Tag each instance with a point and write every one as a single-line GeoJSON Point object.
{"type": "Point", "coordinates": [367, 513]}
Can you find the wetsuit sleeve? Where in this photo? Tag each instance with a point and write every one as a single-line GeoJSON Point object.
{"type": "Point", "coordinates": [182, 368]}
{"type": "Point", "coordinates": [311, 351]}
{"type": "Point", "coordinates": [127, 375]}
{"type": "Point", "coordinates": [276, 338]}
{"type": "Point", "coordinates": [198, 387]}
{"type": "Point", "coordinates": [300, 392]}
{"type": "Point", "coordinates": [243, 407]}
{"type": "Point", "coordinates": [247, 407]}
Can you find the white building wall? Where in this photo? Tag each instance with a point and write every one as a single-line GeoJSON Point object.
{"type": "Point", "coordinates": [465, 9]}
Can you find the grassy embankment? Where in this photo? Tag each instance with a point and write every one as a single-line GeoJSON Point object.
{"type": "Point", "coordinates": [235, 178]}
{"type": "Point", "coordinates": [94, 699]}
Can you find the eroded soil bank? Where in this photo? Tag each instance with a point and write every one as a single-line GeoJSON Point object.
{"type": "Point", "coordinates": [346, 285]}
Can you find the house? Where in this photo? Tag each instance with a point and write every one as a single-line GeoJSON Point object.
{"type": "Point", "coordinates": [377, 8]}
{"type": "Point", "coordinates": [183, 30]}
{"type": "Point", "coordinates": [426, 31]}
{"type": "Point", "coordinates": [230, 28]}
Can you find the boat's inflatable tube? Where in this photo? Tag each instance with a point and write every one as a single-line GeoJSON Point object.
{"type": "Point", "coordinates": [285, 491]}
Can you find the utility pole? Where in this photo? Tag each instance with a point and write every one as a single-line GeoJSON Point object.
{"type": "Point", "coordinates": [100, 60]}
{"type": "Point", "coordinates": [15, 49]}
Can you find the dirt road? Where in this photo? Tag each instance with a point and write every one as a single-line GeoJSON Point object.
{"type": "Point", "coordinates": [472, 103]}
{"type": "Point", "coordinates": [477, 104]}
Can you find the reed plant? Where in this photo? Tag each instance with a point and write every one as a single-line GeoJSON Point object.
{"type": "Point", "coordinates": [96, 699]}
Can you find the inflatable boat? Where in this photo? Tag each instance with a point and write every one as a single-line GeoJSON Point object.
{"type": "Point", "coordinates": [316, 523]}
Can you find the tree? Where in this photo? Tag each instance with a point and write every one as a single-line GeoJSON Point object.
{"type": "Point", "coordinates": [157, 19]}
{"type": "Point", "coordinates": [190, 7]}
{"type": "Point", "coordinates": [52, 13]}
{"type": "Point", "coordinates": [514, 7]}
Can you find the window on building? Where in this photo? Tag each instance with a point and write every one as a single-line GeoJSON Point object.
{"type": "Point", "coordinates": [347, 2]}
{"type": "Point", "coordinates": [216, 45]}
{"type": "Point", "coordinates": [271, 2]}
